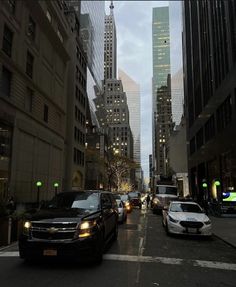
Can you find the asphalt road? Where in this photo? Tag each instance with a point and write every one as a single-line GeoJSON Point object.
{"type": "Point", "coordinates": [142, 256]}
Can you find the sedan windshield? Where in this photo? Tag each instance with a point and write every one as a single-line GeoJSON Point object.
{"type": "Point", "coordinates": [82, 200]}
{"type": "Point", "coordinates": [124, 197]}
{"type": "Point", "coordinates": [185, 207]}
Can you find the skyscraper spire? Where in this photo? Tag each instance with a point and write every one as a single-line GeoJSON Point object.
{"type": "Point", "coordinates": [111, 8]}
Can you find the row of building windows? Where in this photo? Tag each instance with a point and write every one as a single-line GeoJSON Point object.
{"type": "Point", "coordinates": [80, 77]}
{"type": "Point", "coordinates": [219, 122]}
{"type": "Point", "coordinates": [78, 157]}
{"type": "Point", "coordinates": [81, 59]}
{"type": "Point", "coordinates": [79, 116]}
{"type": "Point", "coordinates": [79, 136]}
{"type": "Point", "coordinates": [5, 91]}
{"type": "Point", "coordinates": [80, 97]}
{"type": "Point", "coordinates": [7, 49]}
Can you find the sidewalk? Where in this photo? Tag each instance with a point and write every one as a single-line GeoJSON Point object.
{"type": "Point", "coordinates": [225, 228]}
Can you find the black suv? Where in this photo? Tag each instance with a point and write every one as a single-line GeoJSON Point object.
{"type": "Point", "coordinates": [73, 224]}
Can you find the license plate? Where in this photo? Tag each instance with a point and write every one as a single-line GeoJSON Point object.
{"type": "Point", "coordinates": [192, 230]}
{"type": "Point", "coordinates": [50, 252]}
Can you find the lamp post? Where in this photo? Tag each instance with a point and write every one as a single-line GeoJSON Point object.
{"type": "Point", "coordinates": [38, 184]}
{"type": "Point", "coordinates": [56, 185]}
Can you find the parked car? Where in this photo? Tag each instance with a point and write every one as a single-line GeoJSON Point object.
{"type": "Point", "coordinates": [135, 199]}
{"type": "Point", "coordinates": [183, 217]}
{"type": "Point", "coordinates": [121, 210]}
{"type": "Point", "coordinates": [74, 224]}
{"type": "Point", "coordinates": [125, 198]}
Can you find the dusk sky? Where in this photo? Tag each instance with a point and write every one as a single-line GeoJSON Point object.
{"type": "Point", "coordinates": [134, 43]}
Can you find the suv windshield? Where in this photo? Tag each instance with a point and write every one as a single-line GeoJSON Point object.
{"type": "Point", "coordinates": [82, 200]}
{"type": "Point", "coordinates": [185, 207]}
{"type": "Point", "coordinates": [172, 190]}
{"type": "Point", "coordinates": [124, 197]}
{"type": "Point", "coordinates": [134, 194]}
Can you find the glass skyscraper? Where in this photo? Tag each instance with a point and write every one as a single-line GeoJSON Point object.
{"type": "Point", "coordinates": [161, 89]}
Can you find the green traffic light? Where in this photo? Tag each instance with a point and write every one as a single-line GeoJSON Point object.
{"type": "Point", "coordinates": [204, 184]}
{"type": "Point", "coordinates": [217, 183]}
{"type": "Point", "coordinates": [56, 184]}
{"type": "Point", "coordinates": [39, 183]}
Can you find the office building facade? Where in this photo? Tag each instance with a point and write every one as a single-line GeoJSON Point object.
{"type": "Point", "coordinates": [33, 77]}
{"type": "Point", "coordinates": [161, 113]}
{"type": "Point", "coordinates": [210, 96]}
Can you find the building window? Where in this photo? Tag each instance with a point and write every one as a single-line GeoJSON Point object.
{"type": "Point", "coordinates": [29, 100]}
{"type": "Point", "coordinates": [7, 40]}
{"type": "Point", "coordinates": [31, 29]}
{"type": "Point", "coordinates": [45, 113]}
{"type": "Point", "coordinates": [29, 64]}
{"type": "Point", "coordinates": [5, 87]}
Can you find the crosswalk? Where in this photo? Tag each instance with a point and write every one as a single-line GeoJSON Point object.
{"type": "Point", "coordinates": [150, 259]}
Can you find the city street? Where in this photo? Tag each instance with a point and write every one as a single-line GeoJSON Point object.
{"type": "Point", "coordinates": [142, 256]}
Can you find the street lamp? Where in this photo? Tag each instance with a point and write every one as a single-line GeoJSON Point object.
{"type": "Point", "coordinates": [38, 184]}
{"type": "Point", "coordinates": [56, 185]}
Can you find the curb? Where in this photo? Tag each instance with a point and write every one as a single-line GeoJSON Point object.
{"type": "Point", "coordinates": [225, 241]}
{"type": "Point", "coordinates": [8, 246]}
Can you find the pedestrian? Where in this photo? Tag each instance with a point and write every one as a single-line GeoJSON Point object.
{"type": "Point", "coordinates": [148, 200]}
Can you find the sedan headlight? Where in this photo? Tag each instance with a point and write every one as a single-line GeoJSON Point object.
{"type": "Point", "coordinates": [85, 229]}
{"type": "Point", "coordinates": [208, 222]}
{"type": "Point", "coordinates": [26, 227]}
{"type": "Point", "coordinates": [173, 220]}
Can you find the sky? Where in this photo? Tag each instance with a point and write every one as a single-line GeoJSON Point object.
{"type": "Point", "coordinates": [134, 56]}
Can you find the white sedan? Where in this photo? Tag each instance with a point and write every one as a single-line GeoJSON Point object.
{"type": "Point", "coordinates": [186, 218]}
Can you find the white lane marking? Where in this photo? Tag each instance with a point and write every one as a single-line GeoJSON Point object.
{"type": "Point", "coordinates": [9, 253]}
{"type": "Point", "coordinates": [172, 261]}
{"type": "Point", "coordinates": [143, 259]}
{"type": "Point", "coordinates": [150, 259]}
{"type": "Point", "coordinates": [215, 265]}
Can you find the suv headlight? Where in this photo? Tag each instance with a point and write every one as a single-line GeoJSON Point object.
{"type": "Point", "coordinates": [156, 200]}
{"type": "Point", "coordinates": [208, 222]}
{"type": "Point", "coordinates": [173, 220]}
{"type": "Point", "coordinates": [26, 227]}
{"type": "Point", "coordinates": [85, 228]}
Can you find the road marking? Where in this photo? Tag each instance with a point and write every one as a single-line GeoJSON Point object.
{"type": "Point", "coordinates": [150, 259]}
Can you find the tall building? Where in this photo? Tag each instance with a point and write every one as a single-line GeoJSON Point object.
{"type": "Point", "coordinates": [33, 88]}
{"type": "Point", "coordinates": [161, 89]}
{"type": "Point", "coordinates": [110, 46]}
{"type": "Point", "coordinates": [116, 122]}
{"type": "Point", "coordinates": [132, 90]}
{"type": "Point", "coordinates": [177, 96]}
{"type": "Point", "coordinates": [76, 107]}
{"type": "Point", "coordinates": [210, 96]}
{"type": "Point", "coordinates": [94, 12]}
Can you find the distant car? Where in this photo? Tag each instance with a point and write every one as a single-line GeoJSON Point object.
{"type": "Point", "coordinates": [135, 199]}
{"type": "Point", "coordinates": [186, 218]}
{"type": "Point", "coordinates": [125, 198]}
{"type": "Point", "coordinates": [74, 224]}
{"type": "Point", "coordinates": [164, 194]}
{"type": "Point", "coordinates": [121, 210]}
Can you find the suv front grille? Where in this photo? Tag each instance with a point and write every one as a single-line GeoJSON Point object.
{"type": "Point", "coordinates": [53, 231]}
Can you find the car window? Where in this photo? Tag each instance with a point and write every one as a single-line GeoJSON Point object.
{"type": "Point", "coordinates": [106, 200]}
{"type": "Point", "coordinates": [82, 200]}
{"type": "Point", "coordinates": [172, 190]}
{"type": "Point", "coordinates": [185, 207]}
